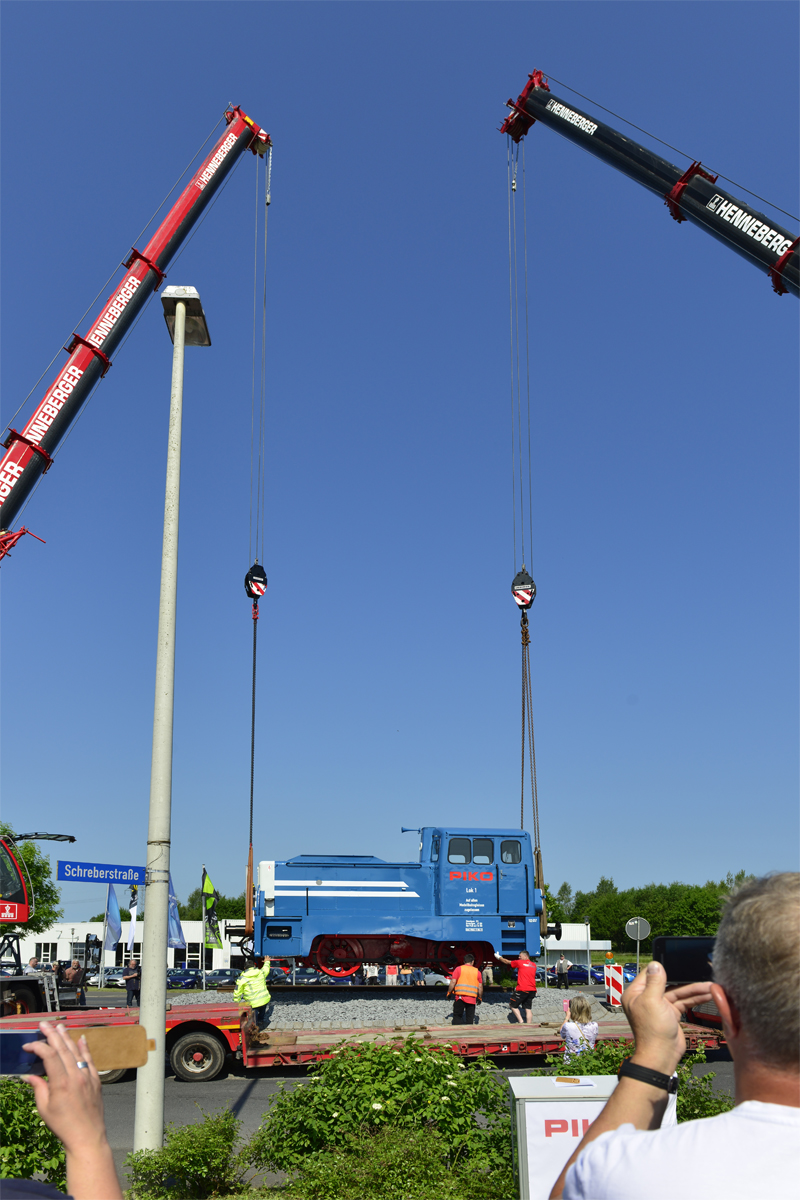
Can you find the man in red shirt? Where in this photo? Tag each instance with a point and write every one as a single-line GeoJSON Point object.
{"type": "Point", "coordinates": [467, 983]}
{"type": "Point", "coordinates": [525, 993]}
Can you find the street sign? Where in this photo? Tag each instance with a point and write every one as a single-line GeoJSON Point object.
{"type": "Point", "coordinates": [79, 872]}
{"type": "Point", "coordinates": [638, 929]}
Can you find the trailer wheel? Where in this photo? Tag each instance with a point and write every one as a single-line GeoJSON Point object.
{"type": "Point", "coordinates": [197, 1056]}
{"type": "Point", "coordinates": [112, 1076]}
{"type": "Point", "coordinates": [27, 1000]}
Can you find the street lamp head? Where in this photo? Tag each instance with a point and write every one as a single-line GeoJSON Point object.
{"type": "Point", "coordinates": [196, 328]}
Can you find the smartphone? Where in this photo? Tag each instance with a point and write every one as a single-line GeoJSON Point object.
{"type": "Point", "coordinates": [685, 959]}
{"type": "Point", "coordinates": [111, 1048]}
{"type": "Point", "coordinates": [13, 1059]}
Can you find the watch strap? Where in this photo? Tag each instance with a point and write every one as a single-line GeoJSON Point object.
{"type": "Point", "coordinates": [632, 1070]}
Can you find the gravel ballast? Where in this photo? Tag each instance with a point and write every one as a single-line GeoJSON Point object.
{"type": "Point", "coordinates": [340, 1010]}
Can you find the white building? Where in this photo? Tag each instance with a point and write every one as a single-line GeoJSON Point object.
{"type": "Point", "coordinates": [576, 944]}
{"type": "Point", "coordinates": [67, 940]}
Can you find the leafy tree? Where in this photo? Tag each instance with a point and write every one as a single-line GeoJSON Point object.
{"type": "Point", "coordinates": [683, 909]}
{"type": "Point", "coordinates": [46, 896]}
{"type": "Point", "coordinates": [565, 900]}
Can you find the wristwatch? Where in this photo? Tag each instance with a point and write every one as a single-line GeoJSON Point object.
{"type": "Point", "coordinates": [632, 1070]}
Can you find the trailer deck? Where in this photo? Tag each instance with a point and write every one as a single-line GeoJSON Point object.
{"type": "Point", "coordinates": [224, 1022]}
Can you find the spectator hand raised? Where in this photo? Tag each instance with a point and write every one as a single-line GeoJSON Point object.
{"type": "Point", "coordinates": [654, 1015]}
{"type": "Point", "coordinates": [70, 1103]}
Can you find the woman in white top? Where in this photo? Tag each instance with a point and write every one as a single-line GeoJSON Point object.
{"type": "Point", "coordinates": [579, 1031]}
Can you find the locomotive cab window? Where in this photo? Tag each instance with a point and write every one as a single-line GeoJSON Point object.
{"type": "Point", "coordinates": [435, 849]}
{"type": "Point", "coordinates": [483, 851]}
{"type": "Point", "coordinates": [458, 851]}
{"type": "Point", "coordinates": [510, 852]}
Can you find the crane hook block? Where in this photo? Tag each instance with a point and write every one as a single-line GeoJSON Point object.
{"type": "Point", "coordinates": [523, 589]}
{"type": "Point", "coordinates": [255, 582]}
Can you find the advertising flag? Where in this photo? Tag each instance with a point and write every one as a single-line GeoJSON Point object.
{"type": "Point", "coordinates": [134, 907]}
{"type": "Point", "coordinates": [113, 920]}
{"type": "Point", "coordinates": [176, 938]}
{"type": "Point", "coordinates": [210, 898]}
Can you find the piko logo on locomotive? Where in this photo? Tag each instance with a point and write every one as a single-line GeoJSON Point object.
{"type": "Point", "coordinates": [740, 218]}
{"type": "Point", "coordinates": [114, 311]}
{"type": "Point", "coordinates": [213, 165]}
{"type": "Point", "coordinates": [574, 118]}
{"type": "Point", "coordinates": [52, 404]}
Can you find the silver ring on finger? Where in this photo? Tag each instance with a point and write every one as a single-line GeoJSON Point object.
{"type": "Point", "coordinates": [82, 1065]}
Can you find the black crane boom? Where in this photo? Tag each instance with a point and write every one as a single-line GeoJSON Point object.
{"type": "Point", "coordinates": [690, 195]}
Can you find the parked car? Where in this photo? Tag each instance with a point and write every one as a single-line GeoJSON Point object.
{"type": "Point", "coordinates": [187, 979]}
{"type": "Point", "coordinates": [222, 975]}
{"type": "Point", "coordinates": [112, 978]}
{"type": "Point", "coordinates": [304, 975]}
{"type": "Point", "coordinates": [435, 979]}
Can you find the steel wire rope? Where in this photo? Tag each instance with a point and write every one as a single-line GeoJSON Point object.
{"type": "Point", "coordinates": [527, 356]}
{"type": "Point", "coordinates": [516, 330]}
{"type": "Point", "coordinates": [111, 276]}
{"type": "Point", "coordinates": [669, 146]}
{"type": "Point", "coordinates": [253, 730]}
{"type": "Point", "coordinates": [262, 466]}
{"type": "Point", "coordinates": [511, 361]}
{"type": "Point", "coordinates": [253, 384]}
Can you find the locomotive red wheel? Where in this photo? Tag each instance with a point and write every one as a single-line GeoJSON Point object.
{"type": "Point", "coordinates": [339, 956]}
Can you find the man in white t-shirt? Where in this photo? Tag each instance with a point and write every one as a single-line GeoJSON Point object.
{"type": "Point", "coordinates": [753, 1151]}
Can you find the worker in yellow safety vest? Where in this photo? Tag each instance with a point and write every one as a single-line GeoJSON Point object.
{"type": "Point", "coordinates": [467, 983]}
{"type": "Point", "coordinates": [251, 987]}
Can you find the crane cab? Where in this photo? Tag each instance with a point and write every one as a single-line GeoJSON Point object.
{"type": "Point", "coordinates": [14, 902]}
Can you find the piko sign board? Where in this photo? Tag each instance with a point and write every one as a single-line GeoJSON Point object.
{"type": "Point", "coordinates": [551, 1115]}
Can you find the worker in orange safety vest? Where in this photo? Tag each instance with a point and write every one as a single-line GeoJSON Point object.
{"type": "Point", "coordinates": [467, 983]}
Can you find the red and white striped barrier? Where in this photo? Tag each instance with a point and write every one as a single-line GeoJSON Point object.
{"type": "Point", "coordinates": [614, 983]}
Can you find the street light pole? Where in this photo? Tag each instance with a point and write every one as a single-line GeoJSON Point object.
{"type": "Point", "coordinates": [148, 1130]}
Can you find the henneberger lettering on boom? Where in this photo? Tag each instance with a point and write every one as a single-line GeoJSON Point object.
{"type": "Point", "coordinates": [109, 318]}
{"type": "Point", "coordinates": [8, 477]}
{"type": "Point", "coordinates": [574, 118]}
{"type": "Point", "coordinates": [757, 230]}
{"type": "Point", "coordinates": [52, 404]}
{"type": "Point", "coordinates": [213, 165]}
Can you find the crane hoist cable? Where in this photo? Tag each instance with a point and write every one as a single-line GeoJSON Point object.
{"type": "Point", "coordinates": [523, 587]}
{"type": "Point", "coordinates": [255, 581]}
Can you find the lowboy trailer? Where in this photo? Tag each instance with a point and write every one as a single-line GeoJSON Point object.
{"type": "Point", "coordinates": [200, 1037]}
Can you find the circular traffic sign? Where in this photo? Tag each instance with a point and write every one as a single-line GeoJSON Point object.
{"type": "Point", "coordinates": [638, 929]}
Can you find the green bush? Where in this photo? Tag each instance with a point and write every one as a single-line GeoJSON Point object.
{"type": "Point", "coordinates": [365, 1089]}
{"type": "Point", "coordinates": [397, 1164]}
{"type": "Point", "coordinates": [197, 1161]}
{"type": "Point", "coordinates": [29, 1148]}
{"type": "Point", "coordinates": [695, 1096]}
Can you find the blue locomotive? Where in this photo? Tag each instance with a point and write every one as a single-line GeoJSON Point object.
{"type": "Point", "coordinates": [472, 890]}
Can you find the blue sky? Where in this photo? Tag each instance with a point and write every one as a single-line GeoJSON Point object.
{"type": "Point", "coordinates": [665, 466]}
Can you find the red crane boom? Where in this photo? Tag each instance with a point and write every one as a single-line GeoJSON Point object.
{"type": "Point", "coordinates": [29, 451]}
